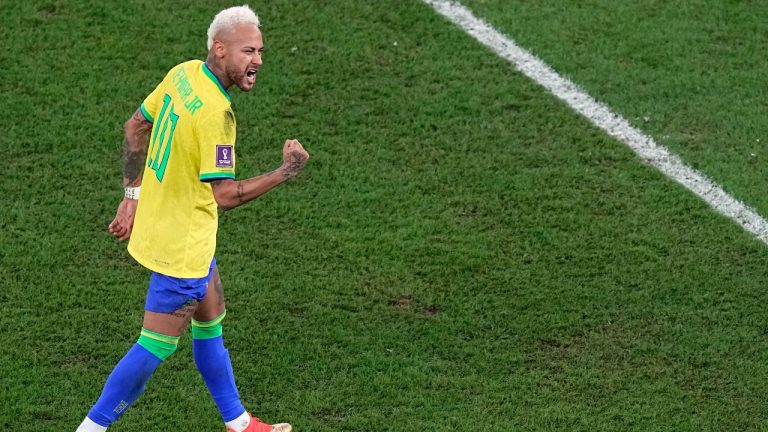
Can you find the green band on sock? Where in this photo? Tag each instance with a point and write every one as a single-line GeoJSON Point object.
{"type": "Point", "coordinates": [158, 344]}
{"type": "Point", "coordinates": [207, 329]}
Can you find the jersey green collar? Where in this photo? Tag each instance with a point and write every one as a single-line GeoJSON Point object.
{"type": "Point", "coordinates": [215, 79]}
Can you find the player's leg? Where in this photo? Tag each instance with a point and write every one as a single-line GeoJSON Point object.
{"type": "Point", "coordinates": [158, 340]}
{"type": "Point", "coordinates": [212, 359]}
{"type": "Point", "coordinates": [212, 306]}
{"type": "Point", "coordinates": [170, 304]}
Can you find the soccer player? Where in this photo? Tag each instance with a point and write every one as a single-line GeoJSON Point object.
{"type": "Point", "coordinates": [179, 155]}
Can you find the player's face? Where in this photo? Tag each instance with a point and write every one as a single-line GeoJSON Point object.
{"type": "Point", "coordinates": [243, 59]}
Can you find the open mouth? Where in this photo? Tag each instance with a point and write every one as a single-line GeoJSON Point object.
{"type": "Point", "coordinates": [250, 76]}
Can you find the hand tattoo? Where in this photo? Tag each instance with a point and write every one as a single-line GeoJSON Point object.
{"type": "Point", "coordinates": [293, 164]}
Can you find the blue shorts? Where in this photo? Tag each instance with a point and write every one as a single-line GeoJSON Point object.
{"type": "Point", "coordinates": [168, 294]}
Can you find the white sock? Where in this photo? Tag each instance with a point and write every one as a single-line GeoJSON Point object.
{"type": "Point", "coordinates": [239, 424]}
{"type": "Point", "coordinates": [89, 425]}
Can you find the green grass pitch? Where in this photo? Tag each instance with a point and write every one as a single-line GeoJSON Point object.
{"type": "Point", "coordinates": [462, 252]}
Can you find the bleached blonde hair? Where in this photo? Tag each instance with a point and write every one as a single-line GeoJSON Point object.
{"type": "Point", "coordinates": [230, 17]}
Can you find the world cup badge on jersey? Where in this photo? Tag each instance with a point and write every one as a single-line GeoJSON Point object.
{"type": "Point", "coordinates": [224, 156]}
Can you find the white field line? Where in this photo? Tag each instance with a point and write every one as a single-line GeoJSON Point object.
{"type": "Point", "coordinates": [602, 117]}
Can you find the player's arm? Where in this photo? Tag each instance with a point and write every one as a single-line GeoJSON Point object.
{"type": "Point", "coordinates": [234, 193]}
{"type": "Point", "coordinates": [137, 130]}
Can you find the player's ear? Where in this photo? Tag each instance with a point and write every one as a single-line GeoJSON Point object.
{"type": "Point", "coordinates": [218, 48]}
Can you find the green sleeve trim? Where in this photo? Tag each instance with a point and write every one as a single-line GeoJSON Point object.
{"type": "Point", "coordinates": [146, 113]}
{"type": "Point", "coordinates": [216, 176]}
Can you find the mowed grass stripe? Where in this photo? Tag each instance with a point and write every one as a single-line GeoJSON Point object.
{"type": "Point", "coordinates": [604, 118]}
{"type": "Point", "coordinates": [463, 250]}
{"type": "Point", "coordinates": [688, 73]}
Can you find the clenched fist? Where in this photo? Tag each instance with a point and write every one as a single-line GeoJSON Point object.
{"type": "Point", "coordinates": [294, 158]}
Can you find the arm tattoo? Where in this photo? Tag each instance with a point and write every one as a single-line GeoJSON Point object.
{"type": "Point", "coordinates": [215, 184]}
{"type": "Point", "coordinates": [135, 148]}
{"type": "Point", "coordinates": [240, 192]}
{"type": "Point", "coordinates": [133, 163]}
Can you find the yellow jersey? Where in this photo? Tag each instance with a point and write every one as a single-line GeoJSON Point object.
{"type": "Point", "coordinates": [192, 143]}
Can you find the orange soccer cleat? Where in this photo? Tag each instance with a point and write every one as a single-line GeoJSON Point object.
{"type": "Point", "coordinates": [257, 425]}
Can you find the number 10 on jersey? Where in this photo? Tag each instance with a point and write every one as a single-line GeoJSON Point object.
{"type": "Point", "coordinates": [162, 138]}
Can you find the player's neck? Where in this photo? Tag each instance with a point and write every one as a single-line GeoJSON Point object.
{"type": "Point", "coordinates": [215, 66]}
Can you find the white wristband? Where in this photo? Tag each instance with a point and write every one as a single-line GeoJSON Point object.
{"type": "Point", "coordinates": [132, 192]}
